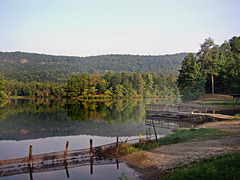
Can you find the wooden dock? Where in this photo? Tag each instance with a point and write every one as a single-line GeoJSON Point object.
{"type": "Point", "coordinates": [170, 123]}
{"type": "Point", "coordinates": [180, 112]}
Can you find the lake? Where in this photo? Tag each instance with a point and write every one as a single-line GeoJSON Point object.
{"type": "Point", "coordinates": [47, 125]}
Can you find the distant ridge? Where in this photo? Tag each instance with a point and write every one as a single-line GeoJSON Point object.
{"type": "Point", "coordinates": [24, 66]}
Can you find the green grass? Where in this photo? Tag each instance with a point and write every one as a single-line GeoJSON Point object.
{"type": "Point", "coordinates": [189, 135]}
{"type": "Point", "coordinates": [127, 149]}
{"type": "Point", "coordinates": [179, 136]}
{"type": "Point", "coordinates": [221, 103]}
{"type": "Point", "coordinates": [217, 168]}
{"type": "Point", "coordinates": [185, 135]}
{"type": "Point", "coordinates": [237, 116]}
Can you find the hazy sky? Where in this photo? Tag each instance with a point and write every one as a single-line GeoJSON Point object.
{"type": "Point", "coordinates": [95, 27]}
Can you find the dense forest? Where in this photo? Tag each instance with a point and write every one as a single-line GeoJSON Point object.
{"type": "Point", "coordinates": [121, 85]}
{"type": "Point", "coordinates": [96, 86]}
{"type": "Point", "coordinates": [215, 69]}
{"type": "Point", "coordinates": [29, 67]}
{"type": "Point", "coordinates": [108, 76]}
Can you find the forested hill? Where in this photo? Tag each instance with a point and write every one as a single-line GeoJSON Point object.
{"type": "Point", "coordinates": [28, 67]}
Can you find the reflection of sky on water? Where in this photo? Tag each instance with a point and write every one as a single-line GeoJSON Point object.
{"type": "Point", "coordinates": [100, 172]}
{"type": "Point", "coordinates": [48, 128]}
{"type": "Point", "coordinates": [17, 149]}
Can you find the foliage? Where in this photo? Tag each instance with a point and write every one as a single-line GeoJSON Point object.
{"type": "Point", "coordinates": [216, 68]}
{"type": "Point", "coordinates": [146, 145]}
{"type": "Point", "coordinates": [222, 167]}
{"type": "Point", "coordinates": [2, 88]}
{"type": "Point", "coordinates": [96, 86]}
{"type": "Point", "coordinates": [121, 85]}
{"type": "Point", "coordinates": [190, 80]}
{"type": "Point", "coordinates": [237, 116]}
{"type": "Point", "coordinates": [28, 67]}
{"type": "Point", "coordinates": [35, 89]}
{"type": "Point", "coordinates": [129, 150]}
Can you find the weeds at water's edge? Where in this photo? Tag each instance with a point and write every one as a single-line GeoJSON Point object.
{"type": "Point", "coordinates": [237, 116]}
{"type": "Point", "coordinates": [221, 167]}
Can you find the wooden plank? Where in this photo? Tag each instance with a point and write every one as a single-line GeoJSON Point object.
{"type": "Point", "coordinates": [179, 114]}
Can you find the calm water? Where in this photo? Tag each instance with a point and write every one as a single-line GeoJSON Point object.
{"type": "Point", "coordinates": [48, 124]}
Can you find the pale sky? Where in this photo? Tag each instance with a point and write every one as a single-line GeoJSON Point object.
{"type": "Point", "coordinates": [97, 27]}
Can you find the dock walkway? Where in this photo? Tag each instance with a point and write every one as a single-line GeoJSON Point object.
{"type": "Point", "coordinates": [184, 111]}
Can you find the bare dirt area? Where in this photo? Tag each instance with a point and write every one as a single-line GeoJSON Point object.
{"type": "Point", "coordinates": [231, 126]}
{"type": "Point", "coordinates": [157, 162]}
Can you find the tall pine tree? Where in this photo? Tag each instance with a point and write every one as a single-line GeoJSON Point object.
{"type": "Point", "coordinates": [190, 81]}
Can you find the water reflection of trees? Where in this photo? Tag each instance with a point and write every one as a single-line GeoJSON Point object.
{"type": "Point", "coordinates": [109, 111]}
{"type": "Point", "coordinates": [30, 119]}
{"type": "Point", "coordinates": [3, 109]}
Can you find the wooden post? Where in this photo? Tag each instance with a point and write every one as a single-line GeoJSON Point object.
{"type": "Point", "coordinates": [91, 148]}
{"type": "Point", "coordinates": [66, 149]}
{"type": "Point", "coordinates": [91, 165]}
{"type": "Point", "coordinates": [140, 138]}
{"type": "Point", "coordinates": [117, 145]}
{"type": "Point", "coordinates": [155, 131]}
{"type": "Point", "coordinates": [30, 171]}
{"type": "Point", "coordinates": [30, 154]}
{"type": "Point", "coordinates": [66, 168]}
{"type": "Point", "coordinates": [117, 164]}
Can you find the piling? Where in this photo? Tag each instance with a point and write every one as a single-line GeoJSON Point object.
{"type": "Point", "coordinates": [30, 154]}
{"type": "Point", "coordinates": [140, 138]}
{"type": "Point", "coordinates": [91, 148]}
{"type": "Point", "coordinates": [66, 149]}
{"type": "Point", "coordinates": [117, 145]}
{"type": "Point", "coordinates": [155, 131]}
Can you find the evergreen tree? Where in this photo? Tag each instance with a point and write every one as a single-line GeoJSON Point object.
{"type": "Point", "coordinates": [190, 80]}
{"type": "Point", "coordinates": [209, 59]}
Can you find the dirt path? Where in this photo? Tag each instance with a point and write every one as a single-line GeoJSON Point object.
{"type": "Point", "coordinates": [155, 163]}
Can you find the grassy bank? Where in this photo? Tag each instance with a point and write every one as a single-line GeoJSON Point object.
{"type": "Point", "coordinates": [220, 103]}
{"type": "Point", "coordinates": [222, 167]}
{"type": "Point", "coordinates": [179, 136]}
{"type": "Point", "coordinates": [185, 135]}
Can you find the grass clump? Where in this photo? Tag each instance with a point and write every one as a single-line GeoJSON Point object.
{"type": "Point", "coordinates": [222, 167]}
{"type": "Point", "coordinates": [127, 149]}
{"type": "Point", "coordinates": [237, 116]}
{"type": "Point", "coordinates": [146, 145]}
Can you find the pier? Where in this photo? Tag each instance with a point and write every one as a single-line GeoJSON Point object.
{"type": "Point", "coordinates": [183, 111]}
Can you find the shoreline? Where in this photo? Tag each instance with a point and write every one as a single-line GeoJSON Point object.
{"type": "Point", "coordinates": [157, 162]}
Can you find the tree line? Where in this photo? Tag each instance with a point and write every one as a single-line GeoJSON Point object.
{"type": "Point", "coordinates": [215, 69]}
{"type": "Point", "coordinates": [97, 86]}
{"type": "Point", "coordinates": [118, 85]}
